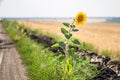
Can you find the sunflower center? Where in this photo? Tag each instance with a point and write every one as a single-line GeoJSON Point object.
{"type": "Point", "coordinates": [80, 18]}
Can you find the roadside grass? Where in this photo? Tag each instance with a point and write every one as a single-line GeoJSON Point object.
{"type": "Point", "coordinates": [88, 47]}
{"type": "Point", "coordinates": [106, 52]}
{"type": "Point", "coordinates": [118, 57]}
{"type": "Point", "coordinates": [38, 59]}
{"type": "Point", "coordinates": [41, 63]}
{"type": "Point", "coordinates": [109, 53]}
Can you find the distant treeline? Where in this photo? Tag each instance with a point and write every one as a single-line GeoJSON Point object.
{"type": "Point", "coordinates": [113, 19]}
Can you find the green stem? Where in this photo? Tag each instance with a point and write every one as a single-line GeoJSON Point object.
{"type": "Point", "coordinates": [69, 31]}
{"type": "Point", "coordinates": [67, 45]}
{"type": "Point", "coordinates": [66, 50]}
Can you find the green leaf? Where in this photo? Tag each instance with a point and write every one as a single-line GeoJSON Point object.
{"type": "Point", "coordinates": [71, 51]}
{"type": "Point", "coordinates": [61, 43]}
{"type": "Point", "coordinates": [55, 45]}
{"type": "Point", "coordinates": [68, 36]}
{"type": "Point", "coordinates": [69, 67]}
{"type": "Point", "coordinates": [64, 31]}
{"type": "Point", "coordinates": [75, 41]}
{"type": "Point", "coordinates": [72, 26]}
{"type": "Point", "coordinates": [66, 24]}
{"type": "Point", "coordinates": [75, 30]}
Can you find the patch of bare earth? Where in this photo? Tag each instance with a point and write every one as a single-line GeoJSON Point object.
{"type": "Point", "coordinates": [11, 67]}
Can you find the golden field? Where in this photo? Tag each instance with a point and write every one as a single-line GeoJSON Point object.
{"type": "Point", "coordinates": [101, 35]}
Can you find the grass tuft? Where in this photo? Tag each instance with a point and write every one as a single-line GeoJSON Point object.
{"type": "Point", "coordinates": [106, 52]}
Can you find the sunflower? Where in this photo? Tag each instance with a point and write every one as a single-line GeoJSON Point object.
{"type": "Point", "coordinates": [80, 18]}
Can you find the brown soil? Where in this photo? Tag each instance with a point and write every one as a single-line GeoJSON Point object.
{"type": "Point", "coordinates": [11, 67]}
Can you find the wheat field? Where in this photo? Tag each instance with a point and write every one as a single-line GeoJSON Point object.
{"type": "Point", "coordinates": [102, 35]}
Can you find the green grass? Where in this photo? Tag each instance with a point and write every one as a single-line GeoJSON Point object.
{"type": "Point", "coordinates": [87, 46]}
{"type": "Point", "coordinates": [41, 63]}
{"type": "Point", "coordinates": [106, 52]}
{"type": "Point", "coordinates": [38, 59]}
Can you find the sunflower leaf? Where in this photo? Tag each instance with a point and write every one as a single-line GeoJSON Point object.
{"type": "Point", "coordinates": [75, 41]}
{"type": "Point", "coordinates": [71, 51]}
{"type": "Point", "coordinates": [61, 43]}
{"type": "Point", "coordinates": [72, 26]}
{"type": "Point", "coordinates": [64, 31]}
{"type": "Point", "coordinates": [75, 30]}
{"type": "Point", "coordinates": [68, 36]}
{"type": "Point", "coordinates": [66, 24]}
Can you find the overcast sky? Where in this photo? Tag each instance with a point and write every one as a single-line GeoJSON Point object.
{"type": "Point", "coordinates": [59, 8]}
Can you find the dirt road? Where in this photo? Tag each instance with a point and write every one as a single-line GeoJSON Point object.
{"type": "Point", "coordinates": [11, 67]}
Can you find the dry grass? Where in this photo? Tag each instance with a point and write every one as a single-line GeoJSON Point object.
{"type": "Point", "coordinates": [101, 35]}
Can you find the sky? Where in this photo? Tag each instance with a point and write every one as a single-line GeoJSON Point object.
{"type": "Point", "coordinates": [59, 8]}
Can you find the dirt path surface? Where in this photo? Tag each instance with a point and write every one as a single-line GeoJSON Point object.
{"type": "Point", "coordinates": [11, 67]}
